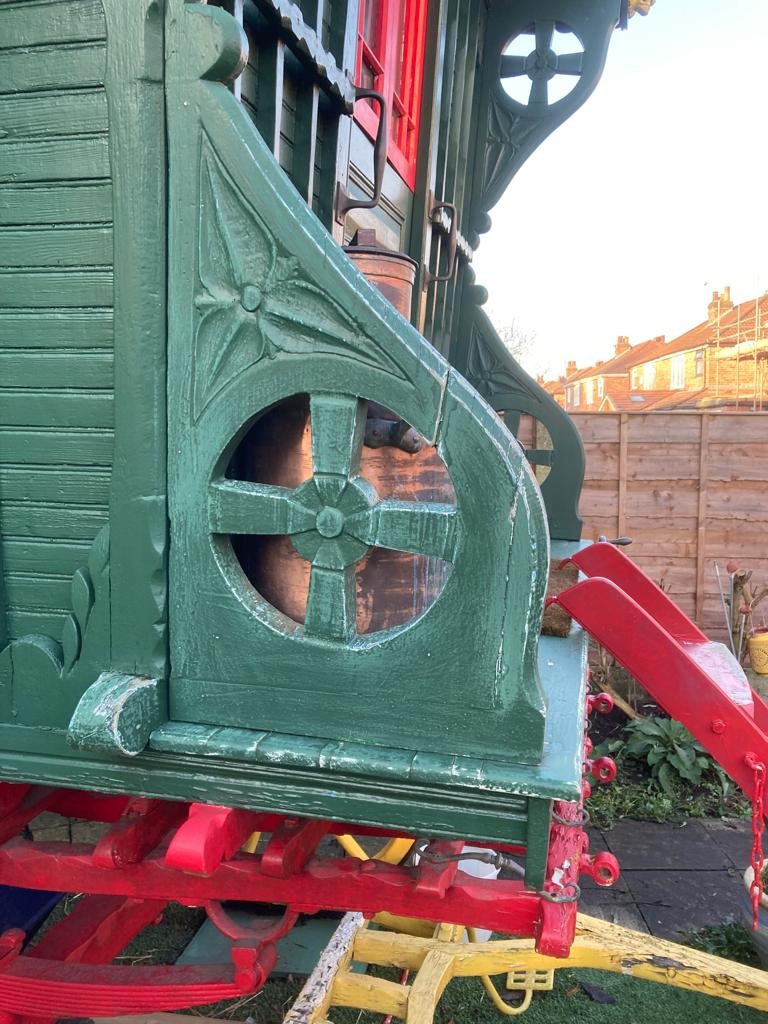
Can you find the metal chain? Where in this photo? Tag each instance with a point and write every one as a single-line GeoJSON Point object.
{"type": "Point", "coordinates": [568, 893]}
{"type": "Point", "coordinates": [758, 824]}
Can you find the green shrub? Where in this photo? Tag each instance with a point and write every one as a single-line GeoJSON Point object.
{"type": "Point", "coordinates": [669, 750]}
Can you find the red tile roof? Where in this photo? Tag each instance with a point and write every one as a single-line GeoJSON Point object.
{"type": "Point", "coordinates": [736, 325]}
{"type": "Point", "coordinates": [632, 401]}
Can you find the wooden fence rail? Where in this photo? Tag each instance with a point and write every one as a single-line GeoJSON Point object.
{"type": "Point", "coordinates": [690, 489]}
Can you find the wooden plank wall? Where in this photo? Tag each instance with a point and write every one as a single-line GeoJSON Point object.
{"type": "Point", "coordinates": [56, 298]}
{"type": "Point", "coordinates": [690, 488]}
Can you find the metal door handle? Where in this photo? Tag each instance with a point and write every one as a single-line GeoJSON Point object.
{"type": "Point", "coordinates": [345, 202]}
{"type": "Point", "coordinates": [453, 242]}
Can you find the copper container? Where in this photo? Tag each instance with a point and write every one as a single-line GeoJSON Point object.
{"type": "Point", "coordinates": [393, 273]}
{"type": "Point", "coordinates": [392, 586]}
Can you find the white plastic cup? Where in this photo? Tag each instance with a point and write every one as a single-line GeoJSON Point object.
{"type": "Point", "coordinates": [478, 869]}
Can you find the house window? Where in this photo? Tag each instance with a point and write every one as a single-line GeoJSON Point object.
{"type": "Point", "coordinates": [699, 365]}
{"type": "Point", "coordinates": [390, 59]}
{"type": "Point", "coordinates": [575, 397]}
{"type": "Point", "coordinates": [600, 387]}
{"type": "Point", "coordinates": [589, 395]}
{"type": "Point", "coordinates": [649, 376]}
{"type": "Point", "coordinates": [678, 372]}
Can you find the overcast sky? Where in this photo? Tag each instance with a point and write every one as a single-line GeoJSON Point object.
{"type": "Point", "coordinates": [649, 198]}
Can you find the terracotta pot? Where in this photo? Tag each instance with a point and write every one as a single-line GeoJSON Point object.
{"type": "Point", "coordinates": [393, 273]}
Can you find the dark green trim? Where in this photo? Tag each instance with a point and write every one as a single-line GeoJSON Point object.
{"type": "Point", "coordinates": [138, 520]}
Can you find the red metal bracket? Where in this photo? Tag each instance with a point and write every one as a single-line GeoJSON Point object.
{"type": "Point", "coordinates": [603, 868]}
{"type": "Point", "coordinates": [438, 866]}
{"type": "Point", "coordinates": [291, 845]}
{"type": "Point", "coordinates": [210, 836]}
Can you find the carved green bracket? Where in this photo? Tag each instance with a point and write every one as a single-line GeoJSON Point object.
{"type": "Point", "coordinates": [116, 714]}
{"type": "Point", "coordinates": [488, 365]}
{"type": "Point", "coordinates": [508, 131]}
{"type": "Point", "coordinates": [268, 307]}
{"type": "Point", "coordinates": [41, 679]}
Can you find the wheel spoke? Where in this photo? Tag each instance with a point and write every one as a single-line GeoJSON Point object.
{"type": "Point", "coordinates": [423, 528]}
{"type": "Point", "coordinates": [570, 63]}
{"type": "Point", "coordinates": [331, 606]}
{"type": "Point", "coordinates": [544, 32]}
{"type": "Point", "coordinates": [539, 92]}
{"type": "Point", "coordinates": [512, 66]}
{"type": "Point", "coordinates": [239, 506]}
{"type": "Point", "coordinates": [338, 429]}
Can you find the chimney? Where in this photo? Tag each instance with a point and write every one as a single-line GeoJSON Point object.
{"type": "Point", "coordinates": [720, 304]}
{"type": "Point", "coordinates": [622, 345]}
{"type": "Point", "coordinates": [570, 368]}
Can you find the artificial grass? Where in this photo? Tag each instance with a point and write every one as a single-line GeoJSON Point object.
{"type": "Point", "coordinates": [465, 1002]}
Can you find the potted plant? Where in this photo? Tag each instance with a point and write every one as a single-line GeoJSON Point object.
{"type": "Point", "coordinates": [759, 937]}
{"type": "Point", "coordinates": [740, 597]}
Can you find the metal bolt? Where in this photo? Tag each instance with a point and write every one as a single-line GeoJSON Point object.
{"type": "Point", "coordinates": [717, 726]}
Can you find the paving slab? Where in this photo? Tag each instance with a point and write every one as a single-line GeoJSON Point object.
{"type": "Point", "coordinates": [597, 840]}
{"type": "Point", "coordinates": [675, 902]}
{"type": "Point", "coordinates": [614, 903]}
{"type": "Point", "coordinates": [734, 837]}
{"type": "Point", "coordinates": [653, 846]}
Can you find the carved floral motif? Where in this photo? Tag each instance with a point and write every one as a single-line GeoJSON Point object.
{"type": "Point", "coordinates": [253, 300]}
{"type": "Point", "coordinates": [491, 369]}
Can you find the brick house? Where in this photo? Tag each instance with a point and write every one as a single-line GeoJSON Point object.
{"type": "Point", "coordinates": [720, 363]}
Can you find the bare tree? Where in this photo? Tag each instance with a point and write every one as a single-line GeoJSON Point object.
{"type": "Point", "coordinates": [517, 341]}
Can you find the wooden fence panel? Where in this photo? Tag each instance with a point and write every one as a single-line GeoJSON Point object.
{"type": "Point", "coordinates": [690, 488]}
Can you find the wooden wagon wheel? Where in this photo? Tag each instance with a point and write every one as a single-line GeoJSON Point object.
{"type": "Point", "coordinates": [541, 65]}
{"type": "Point", "coordinates": [334, 517]}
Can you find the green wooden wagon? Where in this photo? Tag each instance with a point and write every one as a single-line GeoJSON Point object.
{"type": "Point", "coordinates": [202, 394]}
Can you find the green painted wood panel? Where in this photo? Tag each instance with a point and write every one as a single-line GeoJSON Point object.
{"type": "Point", "coordinates": [56, 293]}
{"type": "Point", "coordinates": [49, 519]}
{"type": "Point", "coordinates": [55, 247]}
{"type": "Point", "coordinates": [62, 113]}
{"type": "Point", "coordinates": [71, 329]}
{"type": "Point", "coordinates": [56, 159]}
{"type": "Point", "coordinates": [430, 810]}
{"type": "Point", "coordinates": [54, 484]}
{"type": "Point", "coordinates": [66, 288]}
{"type": "Point", "coordinates": [52, 67]}
{"type": "Point", "coordinates": [76, 447]}
{"type": "Point", "coordinates": [87, 370]}
{"type": "Point", "coordinates": [61, 557]}
{"type": "Point", "coordinates": [23, 621]}
{"type": "Point", "coordinates": [55, 408]}
{"type": "Point", "coordinates": [34, 24]}
{"type": "Point", "coordinates": [27, 590]}
{"type": "Point", "coordinates": [75, 202]}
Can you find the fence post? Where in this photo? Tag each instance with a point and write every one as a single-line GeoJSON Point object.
{"type": "Point", "coordinates": [701, 522]}
{"type": "Point", "coordinates": [623, 469]}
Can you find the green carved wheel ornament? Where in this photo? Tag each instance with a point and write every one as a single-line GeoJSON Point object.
{"type": "Point", "coordinates": [541, 65]}
{"type": "Point", "coordinates": [334, 517]}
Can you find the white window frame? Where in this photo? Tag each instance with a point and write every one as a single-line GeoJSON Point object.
{"type": "Point", "coordinates": [677, 373]}
{"type": "Point", "coordinates": [649, 376]}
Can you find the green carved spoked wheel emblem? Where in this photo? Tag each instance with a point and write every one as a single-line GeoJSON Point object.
{"type": "Point", "coordinates": [541, 65]}
{"type": "Point", "coordinates": [335, 517]}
